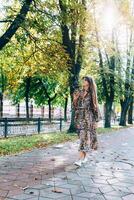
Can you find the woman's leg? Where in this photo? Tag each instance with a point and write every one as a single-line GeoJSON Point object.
{"type": "Point", "coordinates": [82, 158]}
{"type": "Point", "coordinates": [82, 155]}
{"type": "Point", "coordinates": [83, 147]}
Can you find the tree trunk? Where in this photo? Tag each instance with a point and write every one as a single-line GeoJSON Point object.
{"type": "Point", "coordinates": [49, 114]}
{"type": "Point", "coordinates": [72, 127]}
{"type": "Point", "coordinates": [1, 105]}
{"type": "Point", "coordinates": [130, 113]}
{"type": "Point", "coordinates": [65, 108]}
{"type": "Point", "coordinates": [123, 116]}
{"type": "Point", "coordinates": [31, 110]}
{"type": "Point", "coordinates": [28, 80]}
{"type": "Point", "coordinates": [42, 111]}
{"type": "Point", "coordinates": [69, 38]}
{"type": "Point", "coordinates": [124, 108]}
{"type": "Point", "coordinates": [74, 80]}
{"type": "Point", "coordinates": [27, 106]}
{"type": "Point", "coordinates": [50, 99]}
{"type": "Point", "coordinates": [108, 111]}
{"type": "Point", "coordinates": [2, 88]}
{"type": "Point", "coordinates": [125, 103]}
{"type": "Point", "coordinates": [18, 110]}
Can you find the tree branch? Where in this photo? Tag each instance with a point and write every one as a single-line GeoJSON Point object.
{"type": "Point", "coordinates": [5, 21]}
{"type": "Point", "coordinates": [5, 38]}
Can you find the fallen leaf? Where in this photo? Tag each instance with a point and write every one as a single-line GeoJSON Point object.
{"type": "Point", "coordinates": [57, 191]}
{"type": "Point", "coordinates": [31, 192]}
{"type": "Point", "coordinates": [53, 159]}
{"type": "Point", "coordinates": [25, 188]}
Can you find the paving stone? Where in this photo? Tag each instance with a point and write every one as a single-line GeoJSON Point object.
{"type": "Point", "coordinates": [74, 182]}
{"type": "Point", "coordinates": [70, 186]}
{"type": "Point", "coordinates": [91, 196]}
{"type": "Point", "coordinates": [3, 193]}
{"type": "Point", "coordinates": [32, 191]}
{"type": "Point", "coordinates": [92, 190]}
{"type": "Point", "coordinates": [43, 198]}
{"type": "Point", "coordinates": [23, 196]}
{"type": "Point", "coordinates": [40, 186]}
{"type": "Point", "coordinates": [36, 198]}
{"type": "Point", "coordinates": [88, 182]}
{"type": "Point", "coordinates": [126, 180]}
{"type": "Point", "coordinates": [113, 181]}
{"type": "Point", "coordinates": [128, 197]}
{"type": "Point", "coordinates": [52, 182]}
{"type": "Point", "coordinates": [112, 198]}
{"type": "Point", "coordinates": [98, 197]}
{"type": "Point", "coordinates": [122, 184]}
{"type": "Point", "coordinates": [108, 174]}
{"type": "Point", "coordinates": [73, 197]}
{"type": "Point", "coordinates": [86, 195]}
{"type": "Point", "coordinates": [116, 193]}
{"type": "Point", "coordinates": [106, 189]}
{"type": "Point", "coordinates": [121, 189]}
{"type": "Point", "coordinates": [102, 181]}
{"type": "Point", "coordinates": [61, 192]}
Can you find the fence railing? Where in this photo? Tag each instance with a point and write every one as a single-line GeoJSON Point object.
{"type": "Point", "coordinates": [24, 126]}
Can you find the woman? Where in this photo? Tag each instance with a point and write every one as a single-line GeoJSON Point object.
{"type": "Point", "coordinates": [86, 117]}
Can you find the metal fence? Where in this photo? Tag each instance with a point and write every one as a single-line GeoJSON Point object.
{"type": "Point", "coordinates": [22, 126]}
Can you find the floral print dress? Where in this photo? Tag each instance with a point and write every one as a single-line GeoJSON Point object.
{"type": "Point", "coordinates": [86, 119]}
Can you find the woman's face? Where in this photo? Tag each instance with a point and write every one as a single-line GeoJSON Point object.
{"type": "Point", "coordinates": [85, 85]}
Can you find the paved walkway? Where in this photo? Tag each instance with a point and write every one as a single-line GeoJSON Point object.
{"type": "Point", "coordinates": [46, 174]}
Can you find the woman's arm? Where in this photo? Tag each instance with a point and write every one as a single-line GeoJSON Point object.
{"type": "Point", "coordinates": [97, 114]}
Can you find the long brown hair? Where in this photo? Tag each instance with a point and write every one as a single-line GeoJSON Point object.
{"type": "Point", "coordinates": [93, 90]}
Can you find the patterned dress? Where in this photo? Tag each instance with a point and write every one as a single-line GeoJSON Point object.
{"type": "Point", "coordinates": [86, 122]}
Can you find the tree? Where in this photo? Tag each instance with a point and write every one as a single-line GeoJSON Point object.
{"type": "Point", "coordinates": [130, 112]}
{"type": "Point", "coordinates": [126, 99]}
{"type": "Point", "coordinates": [127, 89]}
{"type": "Point", "coordinates": [107, 64]}
{"type": "Point", "coordinates": [73, 21]}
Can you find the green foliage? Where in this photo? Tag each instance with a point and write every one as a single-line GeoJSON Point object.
{"type": "Point", "coordinates": [37, 49]}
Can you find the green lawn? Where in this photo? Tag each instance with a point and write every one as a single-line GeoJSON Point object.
{"type": "Point", "coordinates": [15, 145]}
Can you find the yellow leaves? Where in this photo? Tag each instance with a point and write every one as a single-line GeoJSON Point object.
{"type": "Point", "coordinates": [50, 58]}
{"type": "Point", "coordinates": [13, 79]}
{"type": "Point", "coordinates": [125, 8]}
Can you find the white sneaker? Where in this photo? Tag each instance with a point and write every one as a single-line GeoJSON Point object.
{"type": "Point", "coordinates": [78, 163]}
{"type": "Point", "coordinates": [84, 160]}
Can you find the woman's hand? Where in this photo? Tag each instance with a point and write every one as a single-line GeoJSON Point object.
{"type": "Point", "coordinates": [76, 95]}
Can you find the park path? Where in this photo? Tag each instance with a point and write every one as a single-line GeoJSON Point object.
{"type": "Point", "coordinates": [46, 174]}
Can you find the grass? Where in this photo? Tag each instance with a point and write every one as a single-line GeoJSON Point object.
{"type": "Point", "coordinates": [15, 145]}
{"type": "Point", "coordinates": [19, 144]}
{"type": "Point", "coordinates": [113, 128]}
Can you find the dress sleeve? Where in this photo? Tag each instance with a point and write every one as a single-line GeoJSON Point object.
{"type": "Point", "coordinates": [97, 114]}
